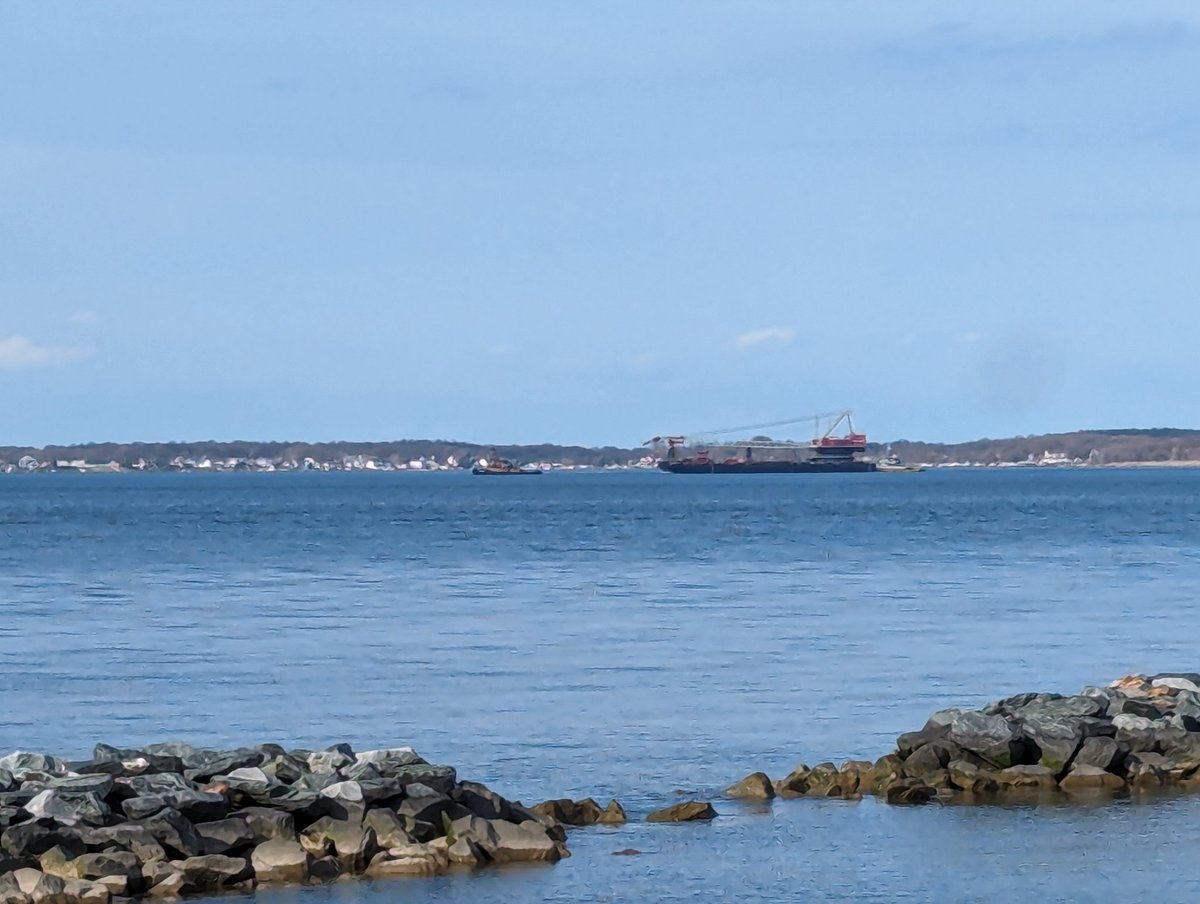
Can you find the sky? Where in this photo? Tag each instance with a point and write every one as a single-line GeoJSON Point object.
{"type": "Point", "coordinates": [594, 223]}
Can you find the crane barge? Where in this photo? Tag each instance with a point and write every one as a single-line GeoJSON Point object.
{"type": "Point", "coordinates": [718, 452]}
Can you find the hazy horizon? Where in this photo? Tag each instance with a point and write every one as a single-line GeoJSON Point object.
{"type": "Point", "coordinates": [596, 223]}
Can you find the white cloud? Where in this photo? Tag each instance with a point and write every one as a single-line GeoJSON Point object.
{"type": "Point", "coordinates": [17, 352]}
{"type": "Point", "coordinates": [83, 317]}
{"type": "Point", "coordinates": [776, 335]}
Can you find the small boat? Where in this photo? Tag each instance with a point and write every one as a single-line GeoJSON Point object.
{"type": "Point", "coordinates": [893, 464]}
{"type": "Point", "coordinates": [502, 467]}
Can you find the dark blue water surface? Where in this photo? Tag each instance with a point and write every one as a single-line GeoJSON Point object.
{"type": "Point", "coordinates": [623, 634]}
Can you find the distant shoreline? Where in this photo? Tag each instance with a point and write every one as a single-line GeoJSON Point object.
{"type": "Point", "coordinates": [1126, 448]}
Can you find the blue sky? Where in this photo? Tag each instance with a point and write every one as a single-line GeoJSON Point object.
{"type": "Point", "coordinates": [595, 222]}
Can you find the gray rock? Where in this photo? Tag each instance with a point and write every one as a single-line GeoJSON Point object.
{"type": "Point", "coordinates": [1097, 727]}
{"type": "Point", "coordinates": [174, 833]}
{"type": "Point", "coordinates": [7, 782]}
{"type": "Point", "coordinates": [196, 806]}
{"type": "Point", "coordinates": [1056, 739]}
{"type": "Point", "coordinates": [1037, 778]}
{"type": "Point", "coordinates": [1127, 706]}
{"type": "Point", "coordinates": [81, 769]}
{"type": "Point", "coordinates": [184, 752]}
{"type": "Point", "coordinates": [213, 872]}
{"type": "Point", "coordinates": [1181, 749]}
{"type": "Point", "coordinates": [351, 842]}
{"type": "Point", "coordinates": [111, 863]}
{"type": "Point", "coordinates": [482, 801]}
{"type": "Point", "coordinates": [20, 765]}
{"type": "Point", "coordinates": [85, 891]}
{"type": "Point", "coordinates": [441, 779]}
{"type": "Point", "coordinates": [29, 840]}
{"type": "Point", "coordinates": [388, 827]}
{"type": "Point", "coordinates": [347, 792]}
{"type": "Point", "coordinates": [1009, 704]}
{"type": "Point", "coordinates": [912, 740]}
{"type": "Point", "coordinates": [391, 758]}
{"type": "Point", "coordinates": [251, 774]}
{"type": "Point", "coordinates": [325, 870]}
{"type": "Point", "coordinates": [1183, 721]}
{"type": "Point", "coordinates": [315, 781]}
{"type": "Point", "coordinates": [967, 776]}
{"type": "Point", "coordinates": [134, 838]}
{"type": "Point", "coordinates": [206, 765]}
{"type": "Point", "coordinates": [268, 824]}
{"type": "Point", "coordinates": [431, 810]}
{"type": "Point", "coordinates": [1137, 734]}
{"type": "Point", "coordinates": [993, 738]}
{"type": "Point", "coordinates": [361, 772]}
{"type": "Point", "coordinates": [280, 861]}
{"type": "Point", "coordinates": [69, 808]}
{"type": "Point", "coordinates": [409, 860]}
{"type": "Point", "coordinates": [57, 862]}
{"type": "Point", "coordinates": [1084, 778]}
{"type": "Point", "coordinates": [528, 842]}
{"type": "Point", "coordinates": [1184, 681]}
{"type": "Point", "coordinates": [127, 758]}
{"type": "Point", "coordinates": [931, 758]}
{"type": "Point", "coordinates": [227, 836]}
{"type": "Point", "coordinates": [304, 806]}
{"type": "Point", "coordinates": [171, 887]}
{"type": "Point", "coordinates": [1055, 709]}
{"type": "Point", "coordinates": [755, 786]}
{"type": "Point", "coordinates": [466, 852]}
{"type": "Point", "coordinates": [100, 785]}
{"type": "Point", "coordinates": [909, 792]}
{"type": "Point", "coordinates": [1102, 753]}
{"type": "Point", "coordinates": [285, 769]}
{"type": "Point", "coordinates": [329, 761]}
{"type": "Point", "coordinates": [40, 888]}
{"type": "Point", "coordinates": [20, 797]}
{"type": "Point", "coordinates": [475, 828]}
{"type": "Point", "coordinates": [154, 784]}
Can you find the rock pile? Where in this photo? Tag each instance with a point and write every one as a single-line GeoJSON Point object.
{"type": "Point", "coordinates": [171, 819]}
{"type": "Point", "coordinates": [1139, 733]}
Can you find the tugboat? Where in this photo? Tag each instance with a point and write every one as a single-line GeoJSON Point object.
{"type": "Point", "coordinates": [824, 454]}
{"type": "Point", "coordinates": [495, 466]}
{"type": "Point", "coordinates": [892, 464]}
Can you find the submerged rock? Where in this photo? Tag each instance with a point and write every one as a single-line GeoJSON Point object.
{"type": "Point", "coordinates": [280, 861]}
{"type": "Point", "coordinates": [684, 812]}
{"type": "Point", "coordinates": [755, 786]}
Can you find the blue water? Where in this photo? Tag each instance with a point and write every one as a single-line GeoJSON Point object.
{"type": "Point", "coordinates": [622, 635]}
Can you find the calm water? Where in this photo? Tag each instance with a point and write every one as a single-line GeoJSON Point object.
{"type": "Point", "coordinates": [622, 634]}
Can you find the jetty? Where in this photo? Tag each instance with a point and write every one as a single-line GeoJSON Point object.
{"type": "Point", "coordinates": [170, 820]}
{"type": "Point", "coordinates": [1137, 736]}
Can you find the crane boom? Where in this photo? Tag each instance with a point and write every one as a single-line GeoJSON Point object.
{"type": "Point", "coordinates": [722, 437]}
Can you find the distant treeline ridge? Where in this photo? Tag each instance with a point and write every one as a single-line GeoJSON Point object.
{"type": "Point", "coordinates": [1096, 446]}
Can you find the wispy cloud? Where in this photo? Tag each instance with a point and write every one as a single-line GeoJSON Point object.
{"type": "Point", "coordinates": [775, 335]}
{"type": "Point", "coordinates": [83, 317]}
{"type": "Point", "coordinates": [19, 352]}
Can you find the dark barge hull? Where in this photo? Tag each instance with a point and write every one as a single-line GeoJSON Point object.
{"type": "Point", "coordinates": [847, 466]}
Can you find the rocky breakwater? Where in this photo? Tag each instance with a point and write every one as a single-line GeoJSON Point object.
{"type": "Point", "coordinates": [1139, 734]}
{"type": "Point", "coordinates": [171, 820]}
